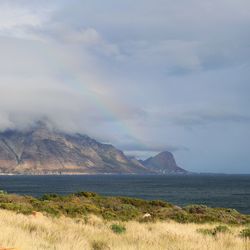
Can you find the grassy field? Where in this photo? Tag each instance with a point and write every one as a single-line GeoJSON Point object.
{"type": "Point", "coordinates": [33, 232]}
{"type": "Point", "coordinates": [86, 220]}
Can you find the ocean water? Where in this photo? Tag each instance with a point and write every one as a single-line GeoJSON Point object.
{"type": "Point", "coordinates": [231, 191]}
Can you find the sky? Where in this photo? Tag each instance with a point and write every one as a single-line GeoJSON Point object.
{"type": "Point", "coordinates": [145, 76]}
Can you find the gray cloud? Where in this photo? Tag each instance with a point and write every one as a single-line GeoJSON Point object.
{"type": "Point", "coordinates": [152, 147]}
{"type": "Point", "coordinates": [191, 119]}
{"type": "Point", "coordinates": [135, 74]}
{"type": "Point", "coordinates": [193, 35]}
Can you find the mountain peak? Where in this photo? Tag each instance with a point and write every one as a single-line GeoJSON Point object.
{"type": "Point", "coordinates": [165, 154]}
{"type": "Point", "coordinates": [163, 163]}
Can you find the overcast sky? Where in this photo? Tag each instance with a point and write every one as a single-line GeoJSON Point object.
{"type": "Point", "coordinates": [143, 75]}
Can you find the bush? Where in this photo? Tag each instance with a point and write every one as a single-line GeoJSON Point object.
{"type": "Point", "coordinates": [221, 229]}
{"type": "Point", "coordinates": [118, 229]}
{"type": "Point", "coordinates": [48, 197]}
{"type": "Point", "coordinates": [86, 194]}
{"type": "Point", "coordinates": [19, 208]}
{"type": "Point", "coordinates": [143, 204]}
{"type": "Point", "coordinates": [126, 212]}
{"type": "Point", "coordinates": [73, 211]}
{"type": "Point", "coordinates": [196, 209]}
{"type": "Point", "coordinates": [50, 210]}
{"type": "Point", "coordinates": [107, 215]}
{"type": "Point", "coordinates": [181, 217]}
{"type": "Point", "coordinates": [159, 203]}
{"type": "Point", "coordinates": [214, 231]}
{"type": "Point", "coordinates": [245, 233]}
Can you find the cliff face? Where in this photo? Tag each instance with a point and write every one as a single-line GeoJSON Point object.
{"type": "Point", "coordinates": [163, 163]}
{"type": "Point", "coordinates": [44, 151]}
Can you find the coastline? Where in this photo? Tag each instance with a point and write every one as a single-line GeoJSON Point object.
{"type": "Point", "coordinates": [120, 174]}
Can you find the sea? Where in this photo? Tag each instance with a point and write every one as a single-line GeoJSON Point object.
{"type": "Point", "coordinates": [229, 191]}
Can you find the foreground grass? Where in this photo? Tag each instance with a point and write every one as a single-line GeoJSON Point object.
{"type": "Point", "coordinates": [28, 232]}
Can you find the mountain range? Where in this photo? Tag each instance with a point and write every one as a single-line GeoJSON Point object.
{"type": "Point", "coordinates": [41, 150]}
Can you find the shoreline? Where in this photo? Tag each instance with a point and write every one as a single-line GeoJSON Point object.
{"type": "Point", "coordinates": [123, 174]}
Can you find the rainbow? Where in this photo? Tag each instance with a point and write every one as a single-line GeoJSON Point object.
{"type": "Point", "coordinates": [106, 106]}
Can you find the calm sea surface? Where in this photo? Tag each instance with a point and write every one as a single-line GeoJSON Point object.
{"type": "Point", "coordinates": [213, 190]}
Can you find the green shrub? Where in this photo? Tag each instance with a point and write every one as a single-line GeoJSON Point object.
{"type": "Point", "coordinates": [159, 203]}
{"type": "Point", "coordinates": [135, 202]}
{"type": "Point", "coordinates": [126, 212]}
{"type": "Point", "coordinates": [85, 194]}
{"type": "Point", "coordinates": [118, 229]}
{"type": "Point", "coordinates": [214, 231]}
{"type": "Point", "coordinates": [107, 215]}
{"type": "Point", "coordinates": [92, 208]}
{"type": "Point", "coordinates": [181, 217]}
{"type": "Point", "coordinates": [19, 208]}
{"type": "Point", "coordinates": [51, 211]}
{"type": "Point", "coordinates": [73, 211]}
{"type": "Point", "coordinates": [221, 229]}
{"type": "Point", "coordinates": [48, 197]}
{"type": "Point", "coordinates": [196, 209]}
{"type": "Point", "coordinates": [245, 233]}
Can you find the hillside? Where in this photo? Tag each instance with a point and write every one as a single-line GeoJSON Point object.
{"type": "Point", "coordinates": [42, 150]}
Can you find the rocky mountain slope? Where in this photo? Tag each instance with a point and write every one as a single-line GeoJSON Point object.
{"type": "Point", "coordinates": [44, 151]}
{"type": "Point", "coordinates": [41, 150]}
{"type": "Point", "coordinates": [163, 163]}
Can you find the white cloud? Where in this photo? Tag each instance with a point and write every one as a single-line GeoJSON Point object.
{"type": "Point", "coordinates": [87, 36]}
{"type": "Point", "coordinates": [13, 16]}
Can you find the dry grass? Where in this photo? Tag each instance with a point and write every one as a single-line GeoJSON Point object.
{"type": "Point", "coordinates": [32, 233]}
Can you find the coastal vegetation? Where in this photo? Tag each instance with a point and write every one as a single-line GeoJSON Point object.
{"type": "Point", "coordinates": [79, 205]}
{"type": "Point", "coordinates": [86, 220]}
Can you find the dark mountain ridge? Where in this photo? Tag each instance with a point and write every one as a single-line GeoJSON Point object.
{"type": "Point", "coordinates": [41, 150]}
